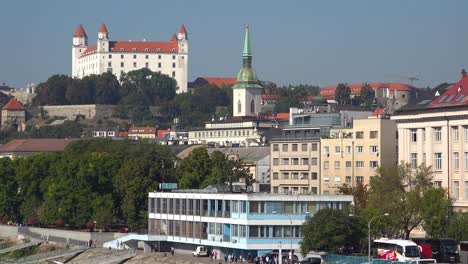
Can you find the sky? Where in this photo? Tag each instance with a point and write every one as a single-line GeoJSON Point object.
{"type": "Point", "coordinates": [319, 42]}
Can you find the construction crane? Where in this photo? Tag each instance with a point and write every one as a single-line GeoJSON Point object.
{"type": "Point", "coordinates": [410, 78]}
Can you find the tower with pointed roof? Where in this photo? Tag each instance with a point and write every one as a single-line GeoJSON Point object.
{"type": "Point", "coordinates": [80, 44]}
{"type": "Point", "coordinates": [103, 39]}
{"type": "Point", "coordinates": [247, 90]}
{"type": "Point", "coordinates": [14, 115]}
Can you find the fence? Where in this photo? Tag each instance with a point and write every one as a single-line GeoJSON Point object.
{"type": "Point", "coordinates": [340, 259]}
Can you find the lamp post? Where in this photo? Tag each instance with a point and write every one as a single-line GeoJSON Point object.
{"type": "Point", "coordinates": [290, 238]}
{"type": "Point", "coordinates": [368, 233]}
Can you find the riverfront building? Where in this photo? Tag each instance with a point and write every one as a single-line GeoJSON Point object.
{"type": "Point", "coordinates": [240, 223]}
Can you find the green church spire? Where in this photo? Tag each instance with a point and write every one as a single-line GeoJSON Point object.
{"type": "Point", "coordinates": [247, 78]}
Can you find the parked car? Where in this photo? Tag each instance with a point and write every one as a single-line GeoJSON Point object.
{"type": "Point", "coordinates": [124, 230]}
{"type": "Point", "coordinates": [311, 260]}
{"type": "Point", "coordinates": [200, 251]}
{"type": "Point", "coordinates": [285, 257]}
{"type": "Point", "coordinates": [443, 249]}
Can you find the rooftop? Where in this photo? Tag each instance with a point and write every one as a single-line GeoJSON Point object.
{"type": "Point", "coordinates": [250, 154]}
{"type": "Point", "coordinates": [35, 145]}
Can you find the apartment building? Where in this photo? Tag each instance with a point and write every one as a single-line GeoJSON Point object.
{"type": "Point", "coordinates": [434, 131]}
{"type": "Point", "coordinates": [351, 155]}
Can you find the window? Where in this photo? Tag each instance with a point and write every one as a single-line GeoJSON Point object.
{"type": "Point", "coordinates": [159, 57]}
{"type": "Point", "coordinates": [337, 150]}
{"type": "Point", "coordinates": [414, 135]}
{"type": "Point", "coordinates": [359, 164]}
{"type": "Point", "coordinates": [304, 175]}
{"type": "Point", "coordinates": [295, 175]}
{"type": "Point", "coordinates": [456, 190]}
{"type": "Point", "coordinates": [285, 161]}
{"type": "Point", "coordinates": [109, 64]}
{"type": "Point", "coordinates": [173, 74]}
{"type": "Point", "coordinates": [252, 106]}
{"type": "Point", "coordinates": [305, 161]}
{"type": "Point", "coordinates": [173, 57]}
{"type": "Point", "coordinates": [360, 179]}
{"type": "Point", "coordinates": [456, 161]}
{"type": "Point", "coordinates": [466, 190]}
{"type": "Point", "coordinates": [326, 150]}
{"type": "Point", "coordinates": [173, 65]}
{"type": "Point", "coordinates": [134, 56]}
{"type": "Point", "coordinates": [275, 147]}
{"type": "Point", "coordinates": [374, 134]}
{"type": "Point", "coordinates": [465, 165]}
{"type": "Point", "coordinates": [424, 134]}
{"type": "Point", "coordinates": [304, 147]}
{"type": "Point", "coordinates": [313, 161]}
{"type": "Point", "coordinates": [239, 106]}
{"type": "Point", "coordinates": [275, 161]}
{"type": "Point", "coordinates": [134, 65]}
{"type": "Point", "coordinates": [313, 176]}
{"type": "Point", "coordinates": [438, 184]}
{"type": "Point", "coordinates": [326, 164]}
{"type": "Point", "coordinates": [348, 164]}
{"type": "Point", "coordinates": [359, 149]}
{"type": "Point", "coordinates": [146, 65]}
{"type": "Point", "coordinates": [438, 161]}
{"type": "Point", "coordinates": [326, 180]}
{"type": "Point", "coordinates": [373, 164]}
{"type": "Point", "coordinates": [295, 161]}
{"type": "Point", "coordinates": [121, 64]}
{"type": "Point", "coordinates": [159, 65]}
{"type": "Point", "coordinates": [285, 175]}
{"type": "Point", "coordinates": [294, 147]}
{"type": "Point", "coordinates": [337, 164]}
{"type": "Point", "coordinates": [110, 56]}
{"type": "Point", "coordinates": [314, 146]}
{"type": "Point", "coordinates": [360, 135]}
{"type": "Point", "coordinates": [337, 179]}
{"type": "Point", "coordinates": [275, 189]}
{"type": "Point", "coordinates": [348, 180]}
{"type": "Point", "coordinates": [304, 190]}
{"type": "Point", "coordinates": [348, 149]}
{"type": "Point", "coordinates": [437, 134]}
{"type": "Point", "coordinates": [455, 133]}
{"type": "Point", "coordinates": [122, 56]}
{"type": "Point", "coordinates": [414, 160]}
{"type": "Point", "coordinates": [374, 149]}
{"type": "Point", "coordinates": [285, 147]}
{"type": "Point", "coordinates": [313, 190]}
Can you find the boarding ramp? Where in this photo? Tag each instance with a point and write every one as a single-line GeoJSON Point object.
{"type": "Point", "coordinates": [130, 241]}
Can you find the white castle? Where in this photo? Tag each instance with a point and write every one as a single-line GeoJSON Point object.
{"type": "Point", "coordinates": [117, 57]}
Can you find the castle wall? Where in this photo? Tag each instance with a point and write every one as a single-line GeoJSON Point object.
{"type": "Point", "coordinates": [91, 111]}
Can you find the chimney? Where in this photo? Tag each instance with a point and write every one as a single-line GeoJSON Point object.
{"type": "Point", "coordinates": [463, 74]}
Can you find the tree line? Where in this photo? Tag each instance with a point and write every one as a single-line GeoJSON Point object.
{"type": "Point", "coordinates": [101, 181]}
{"type": "Point", "coordinates": [406, 194]}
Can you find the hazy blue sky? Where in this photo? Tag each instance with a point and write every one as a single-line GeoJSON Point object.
{"type": "Point", "coordinates": [310, 41]}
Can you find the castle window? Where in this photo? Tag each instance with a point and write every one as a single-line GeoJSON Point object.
{"type": "Point", "coordinates": [134, 65]}
{"type": "Point", "coordinates": [159, 57]}
{"type": "Point", "coordinates": [173, 74]}
{"type": "Point", "coordinates": [122, 49]}
{"type": "Point", "coordinates": [158, 50]}
{"type": "Point", "coordinates": [146, 65]}
{"type": "Point", "coordinates": [173, 57]}
{"type": "Point", "coordinates": [122, 56]}
{"type": "Point", "coordinates": [146, 50]}
{"type": "Point", "coordinates": [121, 64]}
{"type": "Point", "coordinates": [173, 65]}
{"type": "Point", "coordinates": [252, 106]}
{"type": "Point", "coordinates": [239, 106]}
{"type": "Point", "coordinates": [173, 50]}
{"type": "Point", "coordinates": [134, 56]}
{"type": "Point", "coordinates": [159, 65]}
{"type": "Point", "coordinates": [134, 49]}
{"type": "Point", "coordinates": [146, 57]}
{"type": "Point", "coordinates": [110, 56]}
{"type": "Point", "coordinates": [109, 64]}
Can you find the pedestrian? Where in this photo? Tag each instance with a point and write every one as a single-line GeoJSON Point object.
{"type": "Point", "coordinates": [230, 257]}
{"type": "Point", "coordinates": [216, 255]}
{"type": "Point", "coordinates": [172, 251]}
{"type": "Point", "coordinates": [118, 245]}
{"type": "Point", "coordinates": [211, 256]}
{"type": "Point", "coordinates": [225, 258]}
{"type": "Point", "coordinates": [121, 245]}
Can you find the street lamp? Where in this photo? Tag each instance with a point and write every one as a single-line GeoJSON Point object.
{"type": "Point", "coordinates": [368, 233]}
{"type": "Point", "coordinates": [291, 236]}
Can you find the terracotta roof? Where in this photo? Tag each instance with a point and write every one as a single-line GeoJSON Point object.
{"type": "Point", "coordinates": [80, 32]}
{"type": "Point", "coordinates": [90, 50]}
{"type": "Point", "coordinates": [457, 95]}
{"type": "Point", "coordinates": [35, 145]}
{"type": "Point", "coordinates": [13, 104]}
{"type": "Point", "coordinates": [218, 81]}
{"type": "Point", "coordinates": [162, 132]}
{"type": "Point", "coordinates": [137, 46]}
{"type": "Point", "coordinates": [174, 38]}
{"type": "Point", "coordinates": [103, 28]}
{"type": "Point", "coordinates": [271, 96]}
{"type": "Point", "coordinates": [142, 130]}
{"type": "Point", "coordinates": [329, 91]}
{"type": "Point", "coordinates": [182, 29]}
{"type": "Point", "coordinates": [378, 111]}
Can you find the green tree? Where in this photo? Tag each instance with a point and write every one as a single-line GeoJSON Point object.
{"type": "Point", "coordinates": [434, 208]}
{"type": "Point", "coordinates": [367, 95]}
{"type": "Point", "coordinates": [332, 231]}
{"type": "Point", "coordinates": [8, 189]}
{"type": "Point", "coordinates": [81, 91]}
{"type": "Point", "coordinates": [343, 94]}
{"type": "Point", "coordinates": [52, 92]}
{"type": "Point", "coordinates": [458, 226]}
{"type": "Point", "coordinates": [192, 170]}
{"type": "Point", "coordinates": [283, 104]}
{"type": "Point", "coordinates": [359, 192]}
{"type": "Point", "coordinates": [107, 89]}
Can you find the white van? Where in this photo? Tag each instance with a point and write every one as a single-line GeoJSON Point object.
{"type": "Point", "coordinates": [200, 251]}
{"type": "Point", "coordinates": [396, 250]}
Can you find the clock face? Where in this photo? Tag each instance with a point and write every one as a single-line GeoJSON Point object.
{"type": "Point", "coordinates": [76, 42]}
{"type": "Point", "coordinates": [100, 35]}
{"type": "Point", "coordinates": [179, 36]}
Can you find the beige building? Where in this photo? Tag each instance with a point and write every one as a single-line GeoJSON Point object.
{"type": "Point", "coordinates": [142, 132]}
{"type": "Point", "coordinates": [351, 155]}
{"type": "Point", "coordinates": [435, 131]}
{"type": "Point", "coordinates": [13, 115]}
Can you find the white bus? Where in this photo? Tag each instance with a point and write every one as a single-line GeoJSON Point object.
{"type": "Point", "coordinates": [396, 250]}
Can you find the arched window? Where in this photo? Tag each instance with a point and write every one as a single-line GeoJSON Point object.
{"type": "Point", "coordinates": [239, 106]}
{"type": "Point", "coordinates": [252, 106]}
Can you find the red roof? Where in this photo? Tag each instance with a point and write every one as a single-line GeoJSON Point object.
{"type": "Point", "coordinates": [142, 130]}
{"type": "Point", "coordinates": [80, 32]}
{"type": "Point", "coordinates": [90, 50]}
{"type": "Point", "coordinates": [174, 38]}
{"type": "Point", "coordinates": [456, 95]}
{"type": "Point", "coordinates": [137, 46]}
{"type": "Point", "coordinates": [35, 145]}
{"type": "Point", "coordinates": [378, 111]}
{"type": "Point", "coordinates": [13, 104]}
{"type": "Point", "coordinates": [271, 96]}
{"type": "Point", "coordinates": [103, 28]}
{"type": "Point", "coordinates": [214, 80]}
{"type": "Point", "coordinates": [182, 29]}
{"type": "Point", "coordinates": [329, 91]}
{"type": "Point", "coordinates": [162, 133]}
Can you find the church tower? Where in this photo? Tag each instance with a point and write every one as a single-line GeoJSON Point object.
{"type": "Point", "coordinates": [103, 39]}
{"type": "Point", "coordinates": [247, 91]}
{"type": "Point", "coordinates": [80, 43]}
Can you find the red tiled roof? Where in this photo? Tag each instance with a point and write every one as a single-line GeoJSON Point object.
{"type": "Point", "coordinates": [137, 46]}
{"type": "Point", "coordinates": [174, 38]}
{"type": "Point", "coordinates": [162, 132]}
{"type": "Point", "coordinates": [329, 91]}
{"type": "Point", "coordinates": [378, 111]}
{"type": "Point", "coordinates": [142, 130]}
{"type": "Point", "coordinates": [456, 95]}
{"type": "Point", "coordinates": [216, 81]}
{"type": "Point", "coordinates": [123, 134]}
{"type": "Point", "coordinates": [182, 29]}
{"type": "Point", "coordinates": [13, 104]}
{"type": "Point", "coordinates": [35, 145]}
{"type": "Point", "coordinates": [103, 28]}
{"type": "Point", "coordinates": [80, 32]}
{"type": "Point", "coordinates": [271, 96]}
{"type": "Point", "coordinates": [90, 50]}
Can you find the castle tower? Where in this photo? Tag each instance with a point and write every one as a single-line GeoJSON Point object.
{"type": "Point", "coordinates": [182, 60]}
{"type": "Point", "coordinates": [103, 39]}
{"type": "Point", "coordinates": [80, 43]}
{"type": "Point", "coordinates": [247, 90]}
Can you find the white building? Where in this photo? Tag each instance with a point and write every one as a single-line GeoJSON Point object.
{"type": "Point", "coordinates": [117, 57]}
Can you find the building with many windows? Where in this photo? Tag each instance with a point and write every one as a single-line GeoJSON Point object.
{"type": "Point", "coordinates": [434, 131]}
{"type": "Point", "coordinates": [351, 155]}
{"type": "Point", "coordinates": [240, 223]}
{"type": "Point", "coordinates": [118, 57]}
